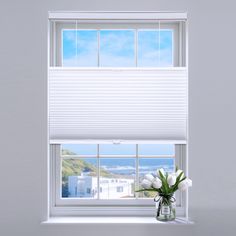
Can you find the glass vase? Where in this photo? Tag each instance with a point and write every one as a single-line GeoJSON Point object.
{"type": "Point", "coordinates": [165, 210]}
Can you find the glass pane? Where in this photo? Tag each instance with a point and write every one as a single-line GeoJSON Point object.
{"type": "Point", "coordinates": [79, 149]}
{"type": "Point", "coordinates": [150, 166]}
{"type": "Point", "coordinates": [117, 149]}
{"type": "Point", "coordinates": [117, 177]}
{"type": "Point", "coordinates": [156, 149]}
{"type": "Point", "coordinates": [117, 48]}
{"type": "Point", "coordinates": [79, 178]}
{"type": "Point", "coordinates": [154, 51]}
{"type": "Point", "coordinates": [86, 52]}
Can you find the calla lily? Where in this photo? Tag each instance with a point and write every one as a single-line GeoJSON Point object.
{"type": "Point", "coordinates": [146, 184]}
{"type": "Point", "coordinates": [171, 179]}
{"type": "Point", "coordinates": [162, 171]}
{"type": "Point", "coordinates": [156, 183]}
{"type": "Point", "coordinates": [185, 184]}
{"type": "Point", "coordinates": [149, 177]}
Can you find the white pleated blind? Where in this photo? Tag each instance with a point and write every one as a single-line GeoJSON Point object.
{"type": "Point", "coordinates": [113, 104]}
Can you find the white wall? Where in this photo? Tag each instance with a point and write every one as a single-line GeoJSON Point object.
{"type": "Point", "coordinates": [23, 147]}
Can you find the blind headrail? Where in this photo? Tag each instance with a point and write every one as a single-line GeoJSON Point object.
{"type": "Point", "coordinates": [116, 15]}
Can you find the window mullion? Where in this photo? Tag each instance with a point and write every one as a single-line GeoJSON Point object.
{"type": "Point", "coordinates": [159, 42]}
{"type": "Point", "coordinates": [98, 36]}
{"type": "Point", "coordinates": [98, 171]}
{"type": "Point", "coordinates": [180, 162]}
{"type": "Point", "coordinates": [180, 62]}
{"type": "Point", "coordinates": [76, 42]}
{"type": "Point", "coordinates": [136, 47]}
{"type": "Point", "coordinates": [137, 172]}
{"type": "Point", "coordinates": [57, 169]}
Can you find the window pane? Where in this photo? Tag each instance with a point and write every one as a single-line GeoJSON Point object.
{"type": "Point", "coordinates": [79, 178]}
{"type": "Point", "coordinates": [150, 165]}
{"type": "Point", "coordinates": [154, 51]}
{"type": "Point", "coordinates": [156, 149]}
{"type": "Point", "coordinates": [117, 177]}
{"type": "Point", "coordinates": [79, 149]}
{"type": "Point", "coordinates": [86, 52]}
{"type": "Point", "coordinates": [117, 48]}
{"type": "Point", "coordinates": [117, 149]}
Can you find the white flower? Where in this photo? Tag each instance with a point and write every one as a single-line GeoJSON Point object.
{"type": "Point", "coordinates": [156, 183]}
{"type": "Point", "coordinates": [185, 184]}
{"type": "Point", "coordinates": [171, 179]}
{"type": "Point", "coordinates": [146, 184]}
{"type": "Point", "coordinates": [149, 177]}
{"type": "Point", "coordinates": [162, 171]}
{"type": "Point", "coordinates": [190, 182]}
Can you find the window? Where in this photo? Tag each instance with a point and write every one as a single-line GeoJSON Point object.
{"type": "Point", "coordinates": [88, 191]}
{"type": "Point", "coordinates": [123, 43]}
{"type": "Point", "coordinates": [114, 168]}
{"type": "Point", "coordinates": [117, 109]}
{"type": "Point", "coordinates": [119, 189]}
{"type": "Point", "coordinates": [118, 47]}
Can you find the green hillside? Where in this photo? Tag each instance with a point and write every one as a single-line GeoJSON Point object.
{"type": "Point", "coordinates": [72, 167]}
{"type": "Point", "coordinates": [76, 167]}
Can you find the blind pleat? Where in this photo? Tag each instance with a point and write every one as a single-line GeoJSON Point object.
{"type": "Point", "coordinates": [118, 104]}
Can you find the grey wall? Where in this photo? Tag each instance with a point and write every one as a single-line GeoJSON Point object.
{"type": "Point", "coordinates": [23, 147]}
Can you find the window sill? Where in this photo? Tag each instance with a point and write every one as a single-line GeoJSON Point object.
{"type": "Point", "coordinates": [113, 220]}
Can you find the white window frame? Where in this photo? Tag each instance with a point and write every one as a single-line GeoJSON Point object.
{"type": "Point", "coordinates": [84, 207]}
{"type": "Point", "coordinates": [179, 36]}
{"type": "Point", "coordinates": [138, 207]}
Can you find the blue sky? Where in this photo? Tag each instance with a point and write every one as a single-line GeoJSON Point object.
{"type": "Point", "coordinates": [152, 51]}
{"type": "Point", "coordinates": [87, 48]}
{"type": "Point", "coordinates": [117, 48]}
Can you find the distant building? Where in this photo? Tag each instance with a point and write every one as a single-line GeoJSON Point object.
{"type": "Point", "coordinates": [110, 188]}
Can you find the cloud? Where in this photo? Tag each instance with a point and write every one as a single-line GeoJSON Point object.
{"type": "Point", "coordinates": [86, 50]}
{"type": "Point", "coordinates": [151, 53]}
{"type": "Point", "coordinates": [88, 60]}
{"type": "Point", "coordinates": [117, 41]}
{"type": "Point", "coordinates": [151, 58]}
{"type": "Point", "coordinates": [116, 61]}
{"type": "Point", "coordinates": [117, 48]}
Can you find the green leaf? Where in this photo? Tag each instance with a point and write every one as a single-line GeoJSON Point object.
{"type": "Point", "coordinates": [165, 186]}
{"type": "Point", "coordinates": [175, 187]}
{"type": "Point", "coordinates": [179, 176]}
{"type": "Point", "coordinates": [148, 190]}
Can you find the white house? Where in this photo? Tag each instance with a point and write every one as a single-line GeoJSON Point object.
{"type": "Point", "coordinates": [110, 188]}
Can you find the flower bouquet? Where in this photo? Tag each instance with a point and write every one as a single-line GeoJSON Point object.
{"type": "Point", "coordinates": [165, 185]}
